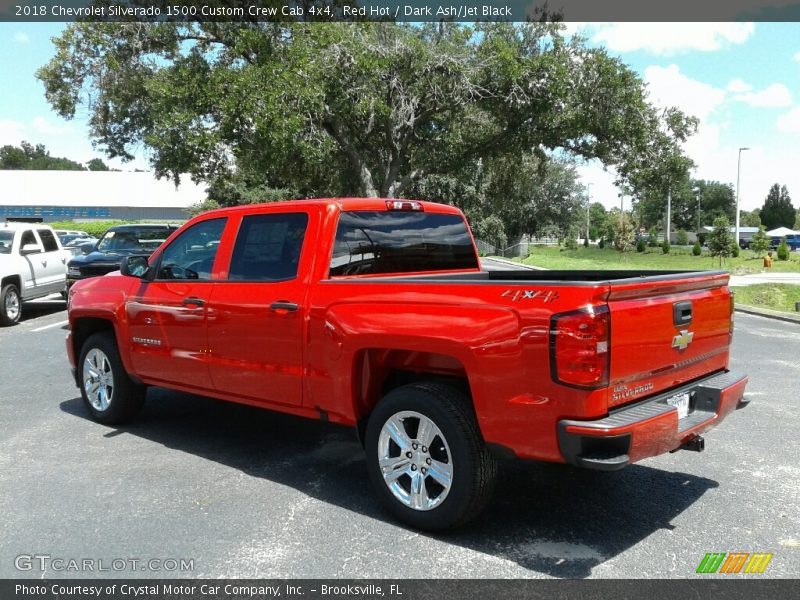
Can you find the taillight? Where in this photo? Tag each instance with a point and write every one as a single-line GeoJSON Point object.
{"type": "Point", "coordinates": [579, 347]}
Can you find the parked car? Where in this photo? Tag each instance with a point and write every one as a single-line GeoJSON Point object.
{"type": "Point", "coordinates": [32, 265]}
{"type": "Point", "coordinates": [793, 241]}
{"type": "Point", "coordinates": [376, 314]}
{"type": "Point", "coordinates": [119, 241]}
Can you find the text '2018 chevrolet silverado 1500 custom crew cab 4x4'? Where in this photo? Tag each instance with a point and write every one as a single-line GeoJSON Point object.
{"type": "Point", "coordinates": [375, 314]}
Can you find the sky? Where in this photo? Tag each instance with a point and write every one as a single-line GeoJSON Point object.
{"type": "Point", "coordinates": [742, 80]}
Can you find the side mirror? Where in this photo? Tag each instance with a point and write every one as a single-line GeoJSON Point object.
{"type": "Point", "coordinates": [134, 266]}
{"type": "Point", "coordinates": [87, 247]}
{"type": "Point", "coordinates": [30, 249]}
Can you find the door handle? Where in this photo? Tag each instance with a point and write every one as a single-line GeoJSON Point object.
{"type": "Point", "coordinates": [193, 301]}
{"type": "Point", "coordinates": [284, 305]}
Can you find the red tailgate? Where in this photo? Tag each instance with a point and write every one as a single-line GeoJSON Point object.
{"type": "Point", "coordinates": [666, 333]}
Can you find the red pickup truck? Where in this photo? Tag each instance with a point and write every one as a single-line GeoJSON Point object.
{"type": "Point", "coordinates": [376, 314]}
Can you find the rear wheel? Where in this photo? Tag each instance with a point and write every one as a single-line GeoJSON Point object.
{"type": "Point", "coordinates": [10, 305]}
{"type": "Point", "coordinates": [108, 392]}
{"type": "Point", "coordinates": [426, 457]}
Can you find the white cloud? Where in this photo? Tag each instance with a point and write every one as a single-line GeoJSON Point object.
{"type": "Point", "coordinates": [738, 86]}
{"type": "Point", "coordinates": [11, 132]}
{"type": "Point", "coordinates": [667, 86]}
{"type": "Point", "coordinates": [671, 38]}
{"type": "Point", "coordinates": [796, 57]}
{"type": "Point", "coordinates": [790, 122]}
{"type": "Point", "coordinates": [21, 38]}
{"type": "Point", "coordinates": [44, 127]}
{"type": "Point", "coordinates": [776, 95]}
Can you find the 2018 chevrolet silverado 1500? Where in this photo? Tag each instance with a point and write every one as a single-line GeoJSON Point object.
{"type": "Point", "coordinates": [375, 313]}
{"type": "Point", "coordinates": [32, 265]}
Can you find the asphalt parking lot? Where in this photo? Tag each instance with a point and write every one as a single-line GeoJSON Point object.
{"type": "Point", "coordinates": [247, 493]}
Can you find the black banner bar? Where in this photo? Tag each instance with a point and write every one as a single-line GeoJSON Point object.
{"type": "Point", "coordinates": [248, 11]}
{"type": "Point", "coordinates": [733, 588]}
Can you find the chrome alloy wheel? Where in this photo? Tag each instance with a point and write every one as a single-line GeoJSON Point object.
{"type": "Point", "coordinates": [98, 379]}
{"type": "Point", "coordinates": [415, 460]}
{"type": "Point", "coordinates": [11, 305]}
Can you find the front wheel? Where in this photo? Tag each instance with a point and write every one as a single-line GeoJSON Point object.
{"type": "Point", "coordinates": [426, 457]}
{"type": "Point", "coordinates": [107, 391]}
{"type": "Point", "coordinates": [10, 305]}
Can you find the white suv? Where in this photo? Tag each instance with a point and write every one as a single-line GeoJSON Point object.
{"type": "Point", "coordinates": [32, 265]}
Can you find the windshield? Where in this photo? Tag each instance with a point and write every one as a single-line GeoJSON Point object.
{"type": "Point", "coordinates": [132, 239]}
{"type": "Point", "coordinates": [6, 239]}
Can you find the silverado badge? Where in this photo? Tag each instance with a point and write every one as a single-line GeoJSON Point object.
{"type": "Point", "coordinates": [683, 339]}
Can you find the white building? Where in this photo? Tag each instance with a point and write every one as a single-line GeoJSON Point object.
{"type": "Point", "coordinates": [95, 195]}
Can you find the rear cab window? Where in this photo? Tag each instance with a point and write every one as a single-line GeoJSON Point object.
{"type": "Point", "coordinates": [48, 240]}
{"type": "Point", "coordinates": [268, 247]}
{"type": "Point", "coordinates": [379, 242]}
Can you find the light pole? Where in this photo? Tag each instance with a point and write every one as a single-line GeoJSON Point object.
{"type": "Point", "coordinates": [697, 193]}
{"type": "Point", "coordinates": [588, 208]}
{"type": "Point", "coordinates": [738, 174]}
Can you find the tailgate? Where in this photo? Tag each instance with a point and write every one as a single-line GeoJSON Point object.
{"type": "Point", "coordinates": [666, 331]}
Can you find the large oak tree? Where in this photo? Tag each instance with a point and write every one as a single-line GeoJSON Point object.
{"type": "Point", "coordinates": [359, 108]}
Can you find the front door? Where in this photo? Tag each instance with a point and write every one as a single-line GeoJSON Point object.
{"type": "Point", "coordinates": [168, 316]}
{"type": "Point", "coordinates": [256, 316]}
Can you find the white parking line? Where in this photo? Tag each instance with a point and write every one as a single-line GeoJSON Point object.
{"type": "Point", "coordinates": [59, 324]}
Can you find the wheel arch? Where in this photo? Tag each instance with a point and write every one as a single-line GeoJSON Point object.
{"type": "Point", "coordinates": [83, 328]}
{"type": "Point", "coordinates": [377, 371]}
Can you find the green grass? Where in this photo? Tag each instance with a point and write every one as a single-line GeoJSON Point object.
{"type": "Point", "coordinates": [777, 296]}
{"type": "Point", "coordinates": [594, 258]}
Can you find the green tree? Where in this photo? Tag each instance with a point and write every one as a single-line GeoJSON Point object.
{"type": "Point", "coordinates": [760, 242]}
{"type": "Point", "coordinates": [750, 218]}
{"type": "Point", "coordinates": [697, 249]}
{"type": "Point", "coordinates": [778, 210]}
{"type": "Point", "coordinates": [368, 108]}
{"type": "Point", "coordinates": [491, 229]}
{"type": "Point", "coordinates": [682, 238]}
{"type": "Point", "coordinates": [97, 164]}
{"type": "Point", "coordinates": [783, 250]}
{"type": "Point", "coordinates": [34, 158]}
{"type": "Point", "coordinates": [623, 234]}
{"type": "Point", "coordinates": [598, 217]}
{"type": "Point", "coordinates": [720, 240]}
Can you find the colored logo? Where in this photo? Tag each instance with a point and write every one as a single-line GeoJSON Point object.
{"type": "Point", "coordinates": [734, 562]}
{"type": "Point", "coordinates": [683, 339]}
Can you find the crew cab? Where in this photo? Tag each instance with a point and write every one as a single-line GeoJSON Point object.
{"type": "Point", "coordinates": [376, 314]}
{"type": "Point", "coordinates": [32, 265]}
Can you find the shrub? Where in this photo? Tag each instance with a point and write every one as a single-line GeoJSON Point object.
{"type": "Point", "coordinates": [653, 238]}
{"type": "Point", "coordinates": [665, 247]}
{"type": "Point", "coordinates": [783, 250]}
{"type": "Point", "coordinates": [640, 245]}
{"type": "Point", "coordinates": [735, 251]}
{"type": "Point", "coordinates": [697, 249]}
{"type": "Point", "coordinates": [683, 238]}
{"type": "Point", "coordinates": [571, 243]}
{"type": "Point", "coordinates": [601, 244]}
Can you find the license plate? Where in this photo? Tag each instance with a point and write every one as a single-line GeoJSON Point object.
{"type": "Point", "coordinates": [680, 402]}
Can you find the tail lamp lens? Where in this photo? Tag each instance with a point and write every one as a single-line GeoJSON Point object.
{"type": "Point", "coordinates": [579, 347]}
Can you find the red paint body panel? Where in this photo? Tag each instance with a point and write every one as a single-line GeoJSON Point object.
{"type": "Point", "coordinates": [332, 356]}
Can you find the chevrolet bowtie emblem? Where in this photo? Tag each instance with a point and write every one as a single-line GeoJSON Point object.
{"type": "Point", "coordinates": [683, 339]}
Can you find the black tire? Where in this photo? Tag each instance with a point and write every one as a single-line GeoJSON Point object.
{"type": "Point", "coordinates": [473, 468]}
{"type": "Point", "coordinates": [10, 305]}
{"type": "Point", "coordinates": [126, 397]}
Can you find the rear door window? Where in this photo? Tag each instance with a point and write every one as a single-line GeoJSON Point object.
{"type": "Point", "coordinates": [48, 240]}
{"type": "Point", "coordinates": [268, 247]}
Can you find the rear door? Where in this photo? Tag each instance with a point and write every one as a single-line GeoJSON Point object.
{"type": "Point", "coordinates": [54, 264]}
{"type": "Point", "coordinates": [168, 316]}
{"type": "Point", "coordinates": [667, 331]}
{"type": "Point", "coordinates": [257, 314]}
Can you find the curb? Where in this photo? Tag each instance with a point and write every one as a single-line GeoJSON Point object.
{"type": "Point", "coordinates": [516, 264]}
{"type": "Point", "coordinates": [768, 313]}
